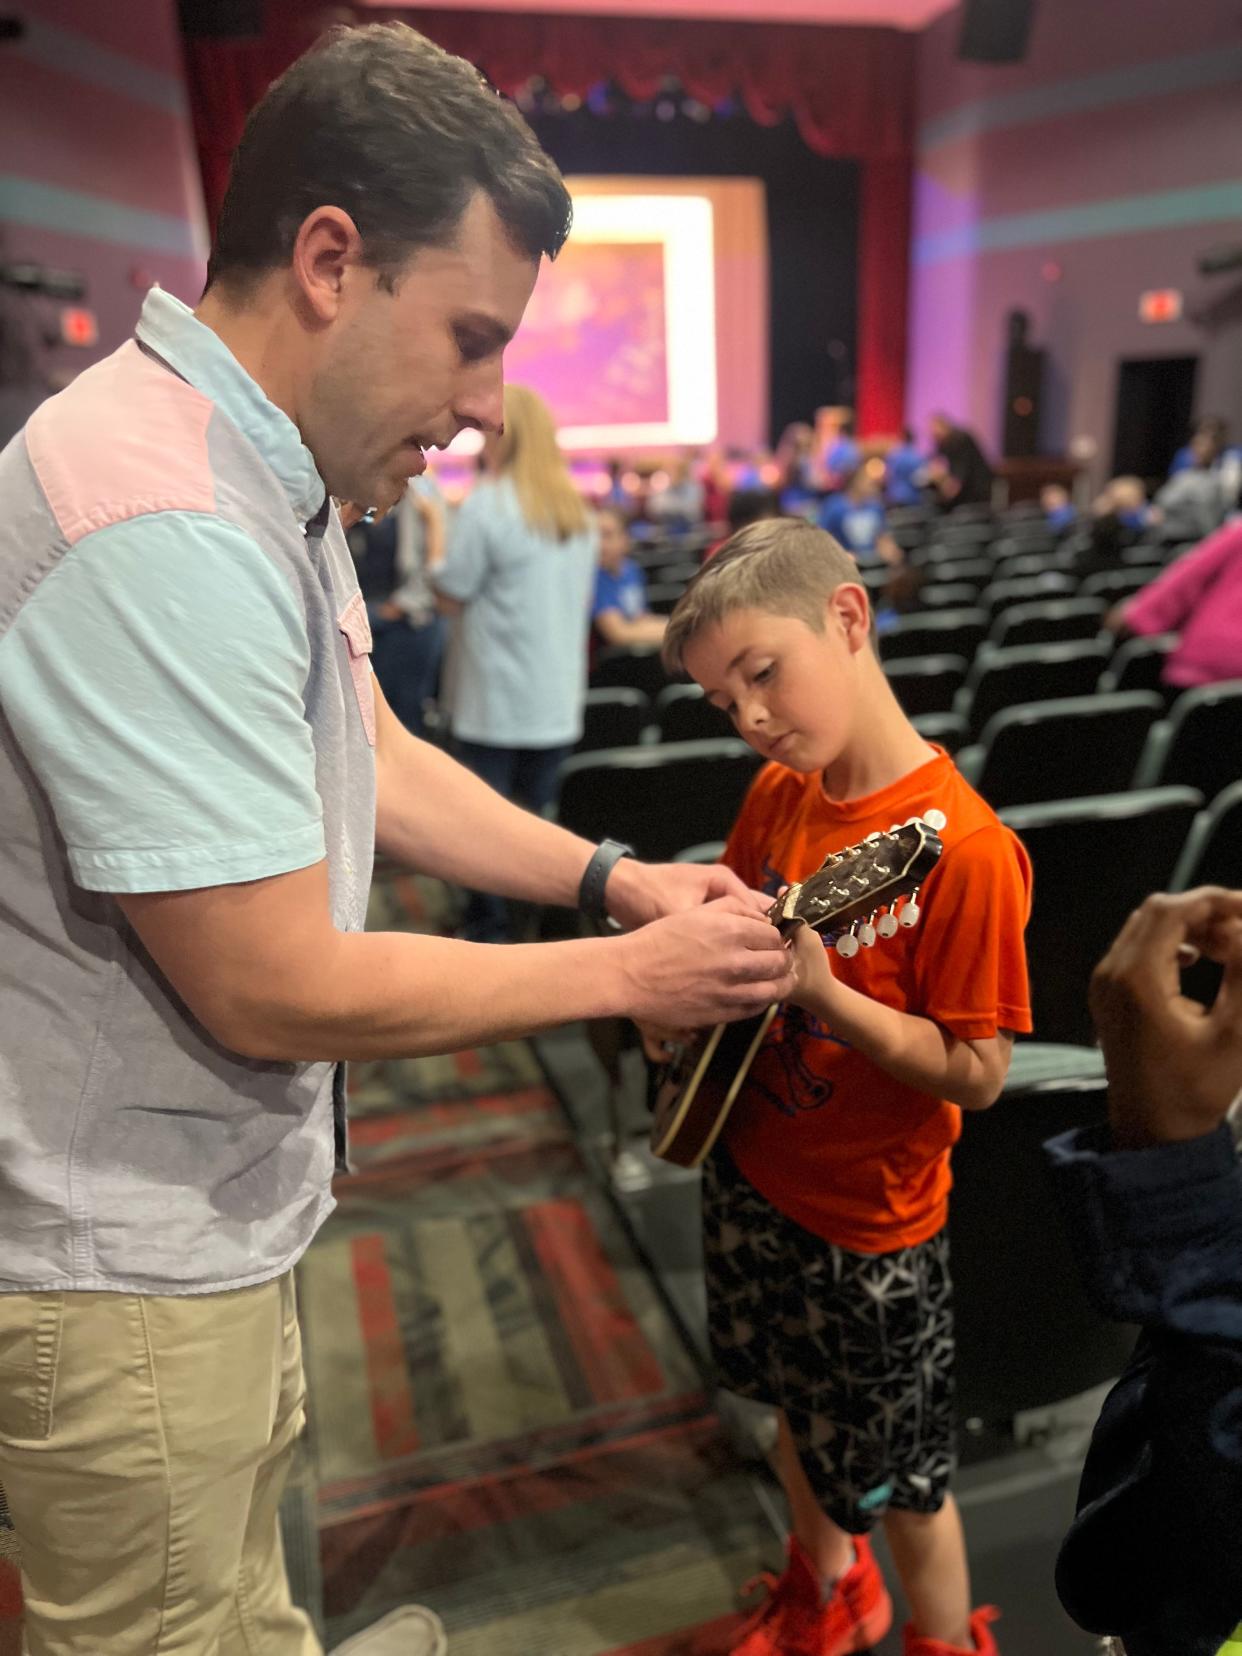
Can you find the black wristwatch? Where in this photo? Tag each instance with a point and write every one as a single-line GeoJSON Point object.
{"type": "Point", "coordinates": [595, 879]}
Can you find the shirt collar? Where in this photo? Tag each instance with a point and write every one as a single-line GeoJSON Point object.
{"type": "Point", "coordinates": [201, 357]}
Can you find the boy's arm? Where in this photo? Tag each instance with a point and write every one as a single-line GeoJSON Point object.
{"type": "Point", "coordinates": [912, 1049]}
{"type": "Point", "coordinates": [970, 978]}
{"type": "Point", "coordinates": [618, 629]}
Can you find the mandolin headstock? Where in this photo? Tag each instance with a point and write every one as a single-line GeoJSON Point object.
{"type": "Point", "coordinates": [857, 891]}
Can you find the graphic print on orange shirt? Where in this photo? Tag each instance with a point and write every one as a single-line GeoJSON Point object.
{"type": "Point", "coordinates": [830, 1138]}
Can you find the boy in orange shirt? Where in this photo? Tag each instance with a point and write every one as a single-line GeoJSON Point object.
{"type": "Point", "coordinates": [826, 1198]}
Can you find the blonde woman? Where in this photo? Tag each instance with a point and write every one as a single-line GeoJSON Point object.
{"type": "Point", "coordinates": [519, 574]}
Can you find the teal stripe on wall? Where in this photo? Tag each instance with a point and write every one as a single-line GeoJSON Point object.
{"type": "Point", "coordinates": [1202, 204]}
{"type": "Point", "coordinates": [73, 54]}
{"type": "Point", "coordinates": [1194, 70]}
{"type": "Point", "coordinates": [44, 207]}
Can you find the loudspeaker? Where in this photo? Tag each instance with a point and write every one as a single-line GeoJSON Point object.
{"type": "Point", "coordinates": [995, 31]}
{"type": "Point", "coordinates": [220, 19]}
{"type": "Point", "coordinates": [1024, 390]}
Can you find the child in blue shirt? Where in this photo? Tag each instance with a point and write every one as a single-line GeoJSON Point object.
{"type": "Point", "coordinates": [855, 518]}
{"type": "Point", "coordinates": [903, 466]}
{"type": "Point", "coordinates": [619, 608]}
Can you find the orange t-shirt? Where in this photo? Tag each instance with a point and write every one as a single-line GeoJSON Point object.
{"type": "Point", "coordinates": [832, 1140]}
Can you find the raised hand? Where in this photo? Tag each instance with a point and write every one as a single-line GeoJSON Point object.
{"type": "Point", "coordinates": [1174, 1067]}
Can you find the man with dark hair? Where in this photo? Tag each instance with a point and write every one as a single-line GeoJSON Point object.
{"type": "Point", "coordinates": [195, 768]}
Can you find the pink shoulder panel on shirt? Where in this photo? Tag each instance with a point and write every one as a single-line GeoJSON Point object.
{"type": "Point", "coordinates": [126, 438]}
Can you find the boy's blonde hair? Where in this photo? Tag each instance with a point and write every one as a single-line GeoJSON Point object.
{"type": "Point", "coordinates": [780, 565]}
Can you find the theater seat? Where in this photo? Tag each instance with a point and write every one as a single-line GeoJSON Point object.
{"type": "Point", "coordinates": [939, 632]}
{"type": "Point", "coordinates": [927, 684]}
{"type": "Point", "coordinates": [1061, 749]}
{"type": "Point", "coordinates": [977, 571]}
{"type": "Point", "coordinates": [948, 730]}
{"type": "Point", "coordinates": [683, 713]}
{"type": "Point", "coordinates": [1114, 585]}
{"type": "Point", "coordinates": [1053, 620]}
{"type": "Point", "coordinates": [662, 596]}
{"type": "Point", "coordinates": [613, 718]}
{"type": "Point", "coordinates": [660, 797]}
{"type": "Point", "coordinates": [1027, 1337]}
{"type": "Point", "coordinates": [1030, 589]}
{"type": "Point", "coordinates": [1199, 745]}
{"type": "Point", "coordinates": [709, 853]}
{"type": "Point", "coordinates": [939, 595]}
{"type": "Point", "coordinates": [1095, 860]}
{"type": "Point", "coordinates": [632, 669]}
{"type": "Point", "coordinates": [1212, 854]}
{"type": "Point", "coordinates": [1138, 663]}
{"type": "Point", "coordinates": [1027, 673]}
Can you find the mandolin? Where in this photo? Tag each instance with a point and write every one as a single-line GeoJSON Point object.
{"type": "Point", "coordinates": [860, 896]}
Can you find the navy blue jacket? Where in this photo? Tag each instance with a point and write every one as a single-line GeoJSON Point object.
{"type": "Point", "coordinates": [1154, 1555]}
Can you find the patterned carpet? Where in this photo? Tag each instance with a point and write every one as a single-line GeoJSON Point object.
{"type": "Point", "coordinates": [506, 1423]}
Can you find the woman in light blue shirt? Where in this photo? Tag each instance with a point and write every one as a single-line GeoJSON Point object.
{"type": "Point", "coordinates": [519, 574]}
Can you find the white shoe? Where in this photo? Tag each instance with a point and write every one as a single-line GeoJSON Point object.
{"type": "Point", "coordinates": [411, 1631]}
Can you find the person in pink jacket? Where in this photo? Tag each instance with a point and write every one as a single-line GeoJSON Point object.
{"type": "Point", "coordinates": [1199, 597]}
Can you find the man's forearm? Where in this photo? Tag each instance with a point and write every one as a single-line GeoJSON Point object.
{"type": "Point", "coordinates": [435, 816]}
{"type": "Point", "coordinates": [393, 995]}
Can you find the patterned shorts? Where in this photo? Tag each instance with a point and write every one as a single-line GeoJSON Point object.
{"type": "Point", "coordinates": [856, 1349]}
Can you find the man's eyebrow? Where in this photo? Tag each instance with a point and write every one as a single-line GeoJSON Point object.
{"type": "Point", "coordinates": [495, 333]}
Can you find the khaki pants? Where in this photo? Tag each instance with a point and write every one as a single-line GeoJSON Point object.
{"type": "Point", "coordinates": [144, 1444]}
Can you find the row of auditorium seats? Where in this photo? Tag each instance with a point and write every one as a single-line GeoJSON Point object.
{"type": "Point", "coordinates": [964, 684]}
{"type": "Point", "coordinates": [1095, 857]}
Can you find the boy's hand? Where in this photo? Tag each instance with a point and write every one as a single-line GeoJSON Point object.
{"type": "Point", "coordinates": [816, 987]}
{"type": "Point", "coordinates": [659, 1042]}
{"type": "Point", "coordinates": [1174, 1068]}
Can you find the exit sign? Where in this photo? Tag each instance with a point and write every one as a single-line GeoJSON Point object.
{"type": "Point", "coordinates": [78, 327]}
{"type": "Point", "coordinates": [1161, 305]}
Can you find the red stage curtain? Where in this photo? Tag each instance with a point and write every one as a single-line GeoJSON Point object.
{"type": "Point", "coordinates": [850, 90]}
{"type": "Point", "coordinates": [883, 290]}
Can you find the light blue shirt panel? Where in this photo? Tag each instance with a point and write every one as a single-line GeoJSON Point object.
{"type": "Point", "coordinates": [519, 660]}
{"type": "Point", "coordinates": [154, 680]}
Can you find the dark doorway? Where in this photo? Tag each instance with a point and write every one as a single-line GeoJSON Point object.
{"type": "Point", "coordinates": [1155, 405]}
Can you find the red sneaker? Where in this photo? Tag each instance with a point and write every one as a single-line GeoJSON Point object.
{"type": "Point", "coordinates": [981, 1641]}
{"type": "Point", "coordinates": [795, 1619]}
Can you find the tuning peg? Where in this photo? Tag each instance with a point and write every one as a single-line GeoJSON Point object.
{"type": "Point", "coordinates": [847, 945]}
{"type": "Point", "coordinates": [866, 935]}
{"type": "Point", "coordinates": [886, 925]}
{"type": "Point", "coordinates": [935, 820]}
{"type": "Point", "coordinates": [909, 915]}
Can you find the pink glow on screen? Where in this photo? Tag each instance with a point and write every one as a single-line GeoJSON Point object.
{"type": "Point", "coordinates": [593, 339]}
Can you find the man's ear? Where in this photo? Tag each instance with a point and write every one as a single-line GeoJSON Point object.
{"type": "Point", "coordinates": [850, 609]}
{"type": "Point", "coordinates": [326, 247]}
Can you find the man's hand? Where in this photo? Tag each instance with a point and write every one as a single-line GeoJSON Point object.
{"type": "Point", "coordinates": [707, 965]}
{"type": "Point", "coordinates": [637, 892]}
{"type": "Point", "coordinates": [1174, 1068]}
